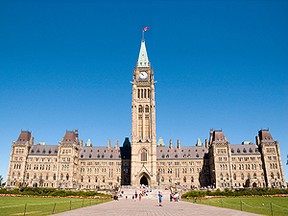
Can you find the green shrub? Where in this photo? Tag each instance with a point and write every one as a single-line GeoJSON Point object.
{"type": "Point", "coordinates": [238, 192]}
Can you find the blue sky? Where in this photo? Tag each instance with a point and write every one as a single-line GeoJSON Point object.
{"type": "Point", "coordinates": [67, 65]}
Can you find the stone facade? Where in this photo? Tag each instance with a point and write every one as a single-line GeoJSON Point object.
{"type": "Point", "coordinates": [216, 164]}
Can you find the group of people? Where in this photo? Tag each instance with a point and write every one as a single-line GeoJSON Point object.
{"type": "Point", "coordinates": [144, 191]}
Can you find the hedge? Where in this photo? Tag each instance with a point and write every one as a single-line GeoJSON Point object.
{"type": "Point", "coordinates": [240, 192]}
{"type": "Point", "coordinates": [51, 192]}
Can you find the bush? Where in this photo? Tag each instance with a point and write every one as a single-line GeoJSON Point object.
{"type": "Point", "coordinates": [239, 192]}
{"type": "Point", "coordinates": [50, 192]}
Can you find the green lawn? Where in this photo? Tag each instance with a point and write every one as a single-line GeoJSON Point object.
{"type": "Point", "coordinates": [276, 206]}
{"type": "Point", "coordinates": [42, 206]}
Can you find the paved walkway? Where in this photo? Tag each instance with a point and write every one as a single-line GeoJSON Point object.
{"type": "Point", "coordinates": [149, 207]}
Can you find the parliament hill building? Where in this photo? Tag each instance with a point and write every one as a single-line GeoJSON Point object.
{"type": "Point", "coordinates": [142, 160]}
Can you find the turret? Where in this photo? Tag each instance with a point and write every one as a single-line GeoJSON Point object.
{"type": "Point", "coordinates": [178, 144]}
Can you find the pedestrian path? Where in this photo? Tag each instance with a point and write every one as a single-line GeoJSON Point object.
{"type": "Point", "coordinates": [148, 206]}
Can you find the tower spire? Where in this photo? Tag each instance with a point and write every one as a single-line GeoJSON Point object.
{"type": "Point", "coordinates": [143, 60]}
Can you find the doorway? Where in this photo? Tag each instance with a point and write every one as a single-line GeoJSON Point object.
{"type": "Point", "coordinates": [144, 181]}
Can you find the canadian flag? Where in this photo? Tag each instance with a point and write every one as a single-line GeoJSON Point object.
{"type": "Point", "coordinates": [145, 29]}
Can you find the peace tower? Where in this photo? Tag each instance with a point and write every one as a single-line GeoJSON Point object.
{"type": "Point", "coordinates": [143, 152]}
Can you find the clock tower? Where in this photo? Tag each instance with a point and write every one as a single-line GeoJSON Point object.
{"type": "Point", "coordinates": [143, 152]}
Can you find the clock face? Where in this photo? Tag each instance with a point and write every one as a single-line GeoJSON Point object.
{"type": "Point", "coordinates": [143, 75]}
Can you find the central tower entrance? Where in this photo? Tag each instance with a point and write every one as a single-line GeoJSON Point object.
{"type": "Point", "coordinates": [143, 148]}
{"type": "Point", "coordinates": [144, 181]}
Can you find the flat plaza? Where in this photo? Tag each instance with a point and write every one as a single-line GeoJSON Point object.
{"type": "Point", "coordinates": [149, 206]}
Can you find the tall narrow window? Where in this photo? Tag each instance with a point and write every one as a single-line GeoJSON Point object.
{"type": "Point", "coordinates": [143, 155]}
{"type": "Point", "coordinates": [146, 109]}
{"type": "Point", "coordinates": [140, 126]}
{"type": "Point", "coordinates": [147, 127]}
{"type": "Point", "coordinates": [140, 110]}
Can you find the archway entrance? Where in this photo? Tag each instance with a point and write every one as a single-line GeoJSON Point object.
{"type": "Point", "coordinates": [144, 181]}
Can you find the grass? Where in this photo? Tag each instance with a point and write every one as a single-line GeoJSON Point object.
{"type": "Point", "coordinates": [42, 206]}
{"type": "Point", "coordinates": [276, 206]}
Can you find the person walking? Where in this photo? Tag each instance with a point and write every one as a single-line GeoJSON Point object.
{"type": "Point", "coordinates": [160, 196]}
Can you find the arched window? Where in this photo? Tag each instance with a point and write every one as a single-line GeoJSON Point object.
{"type": "Point", "coordinates": [234, 176]}
{"type": "Point", "coordinates": [146, 109]}
{"type": "Point", "coordinates": [143, 155]}
{"type": "Point", "coordinates": [140, 110]}
{"type": "Point", "coordinates": [255, 176]}
{"type": "Point", "coordinates": [138, 93]}
{"type": "Point", "coordinates": [221, 176]}
{"type": "Point", "coordinates": [67, 177]}
{"type": "Point", "coordinates": [242, 176]}
{"type": "Point", "coordinates": [192, 179]}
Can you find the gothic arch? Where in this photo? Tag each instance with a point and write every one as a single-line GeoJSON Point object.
{"type": "Point", "coordinates": [143, 155]}
{"type": "Point", "coordinates": [144, 179]}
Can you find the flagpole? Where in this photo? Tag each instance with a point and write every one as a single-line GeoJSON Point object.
{"type": "Point", "coordinates": [143, 35]}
